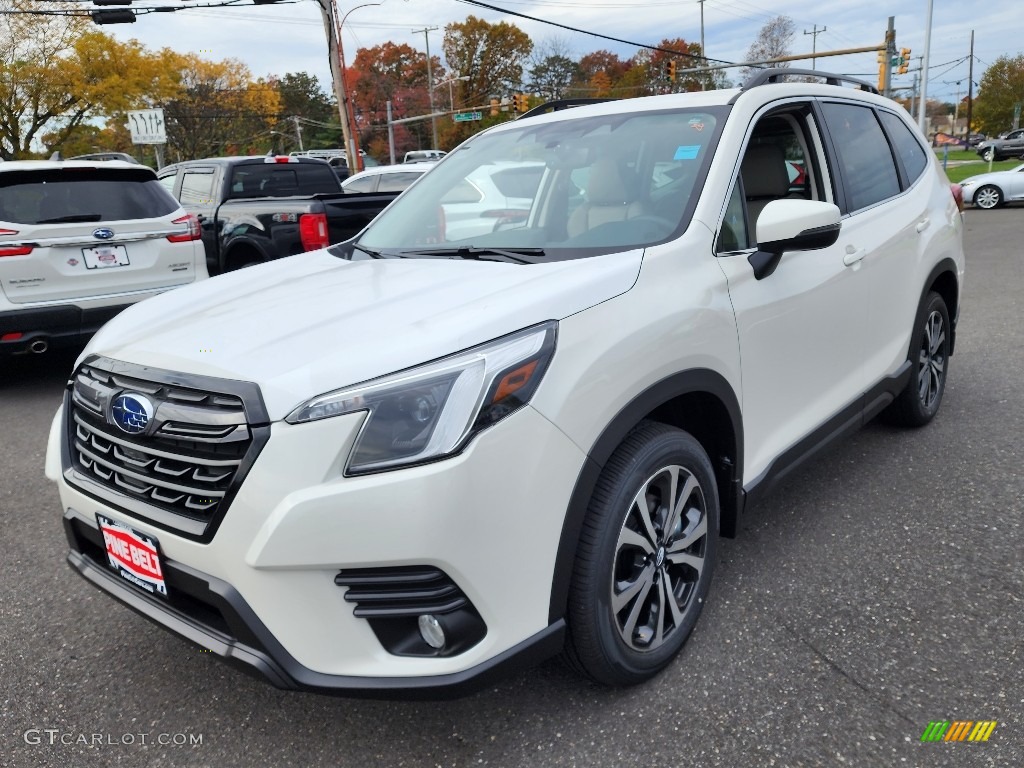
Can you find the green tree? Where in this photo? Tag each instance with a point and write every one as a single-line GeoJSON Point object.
{"type": "Point", "coordinates": [1002, 86]}
{"type": "Point", "coordinates": [306, 107]}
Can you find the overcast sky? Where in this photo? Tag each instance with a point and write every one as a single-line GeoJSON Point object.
{"type": "Point", "coordinates": [289, 37]}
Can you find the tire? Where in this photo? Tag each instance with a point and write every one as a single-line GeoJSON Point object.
{"type": "Point", "coordinates": [639, 581]}
{"type": "Point", "coordinates": [918, 403]}
{"type": "Point", "coordinates": [988, 197]}
{"type": "Point", "coordinates": [988, 155]}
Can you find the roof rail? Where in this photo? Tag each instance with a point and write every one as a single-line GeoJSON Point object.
{"type": "Point", "coordinates": [773, 75]}
{"type": "Point", "coordinates": [560, 104]}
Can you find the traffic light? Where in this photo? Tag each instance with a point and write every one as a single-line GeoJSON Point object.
{"type": "Point", "coordinates": [883, 60]}
{"type": "Point", "coordinates": [494, 107]}
{"type": "Point", "coordinates": [521, 102]}
{"type": "Point", "coordinates": [670, 70]}
{"type": "Point", "coordinates": [113, 17]}
{"type": "Point", "coordinates": [904, 61]}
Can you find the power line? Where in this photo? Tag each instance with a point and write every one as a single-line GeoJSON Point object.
{"type": "Point", "coordinates": [593, 34]}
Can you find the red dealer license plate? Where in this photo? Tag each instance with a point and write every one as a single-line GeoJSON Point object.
{"type": "Point", "coordinates": [134, 555]}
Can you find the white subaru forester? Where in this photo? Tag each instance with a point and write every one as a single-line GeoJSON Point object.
{"type": "Point", "coordinates": [410, 462]}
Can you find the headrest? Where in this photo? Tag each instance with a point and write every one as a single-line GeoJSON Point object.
{"type": "Point", "coordinates": [764, 171]}
{"type": "Point", "coordinates": [607, 185]}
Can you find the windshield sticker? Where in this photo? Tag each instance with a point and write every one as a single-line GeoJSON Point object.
{"type": "Point", "coordinates": [687, 153]}
{"type": "Point", "coordinates": [696, 123]}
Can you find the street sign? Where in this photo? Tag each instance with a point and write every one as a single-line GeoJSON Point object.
{"type": "Point", "coordinates": [147, 126]}
{"type": "Point", "coordinates": [465, 117]}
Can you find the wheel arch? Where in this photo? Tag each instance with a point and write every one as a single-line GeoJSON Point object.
{"type": "Point", "coordinates": [698, 401]}
{"type": "Point", "coordinates": [238, 250]}
{"type": "Point", "coordinates": [943, 280]}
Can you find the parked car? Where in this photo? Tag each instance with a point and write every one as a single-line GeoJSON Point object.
{"type": "Point", "coordinates": [106, 156]}
{"type": "Point", "coordinates": [256, 209]}
{"type": "Point", "coordinates": [410, 463]}
{"type": "Point", "coordinates": [423, 155]}
{"type": "Point", "coordinates": [79, 242]}
{"type": "Point", "coordinates": [386, 178]}
{"type": "Point", "coordinates": [1008, 145]}
{"type": "Point", "coordinates": [990, 190]}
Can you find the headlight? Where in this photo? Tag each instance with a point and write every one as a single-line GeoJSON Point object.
{"type": "Point", "coordinates": [432, 410]}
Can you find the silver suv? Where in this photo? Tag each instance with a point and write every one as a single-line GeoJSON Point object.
{"type": "Point", "coordinates": [79, 242]}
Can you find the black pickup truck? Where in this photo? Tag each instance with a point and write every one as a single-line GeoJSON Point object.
{"type": "Point", "coordinates": [257, 208]}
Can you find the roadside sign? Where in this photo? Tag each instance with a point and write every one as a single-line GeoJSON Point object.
{"type": "Point", "coordinates": [147, 126]}
{"type": "Point", "coordinates": [465, 117]}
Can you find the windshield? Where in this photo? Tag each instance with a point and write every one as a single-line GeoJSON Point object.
{"type": "Point", "coordinates": [561, 189]}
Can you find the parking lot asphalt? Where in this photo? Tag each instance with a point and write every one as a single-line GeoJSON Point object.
{"type": "Point", "coordinates": [879, 589]}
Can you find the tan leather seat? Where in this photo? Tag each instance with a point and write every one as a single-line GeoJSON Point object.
{"type": "Point", "coordinates": [611, 195]}
{"type": "Point", "coordinates": [765, 178]}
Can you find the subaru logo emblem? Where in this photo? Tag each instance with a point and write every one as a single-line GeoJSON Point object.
{"type": "Point", "coordinates": [131, 413]}
{"type": "Point", "coordinates": [103, 233]}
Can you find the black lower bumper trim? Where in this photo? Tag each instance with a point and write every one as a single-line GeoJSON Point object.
{"type": "Point", "coordinates": [237, 634]}
{"type": "Point", "coordinates": [57, 326]}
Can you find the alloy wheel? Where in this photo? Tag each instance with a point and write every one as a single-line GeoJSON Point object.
{"type": "Point", "coordinates": [659, 557]}
{"type": "Point", "coordinates": [932, 361]}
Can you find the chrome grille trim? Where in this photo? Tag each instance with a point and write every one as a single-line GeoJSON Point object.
{"type": "Point", "coordinates": [182, 471]}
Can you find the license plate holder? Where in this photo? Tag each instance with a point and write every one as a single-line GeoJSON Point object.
{"type": "Point", "coordinates": [133, 555]}
{"type": "Point", "coordinates": [105, 256]}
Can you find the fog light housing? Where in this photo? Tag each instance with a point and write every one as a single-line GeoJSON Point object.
{"type": "Point", "coordinates": [431, 631]}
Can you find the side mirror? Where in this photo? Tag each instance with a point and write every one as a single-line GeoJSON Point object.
{"type": "Point", "coordinates": [792, 225]}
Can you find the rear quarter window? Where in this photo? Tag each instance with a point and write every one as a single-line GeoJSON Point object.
{"type": "Point", "coordinates": [82, 194]}
{"type": "Point", "coordinates": [908, 148]}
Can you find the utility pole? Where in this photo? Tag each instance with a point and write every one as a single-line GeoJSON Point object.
{"type": "Point", "coordinates": [430, 82]}
{"type": "Point", "coordinates": [814, 43]}
{"type": "Point", "coordinates": [970, 90]}
{"type": "Point", "coordinates": [922, 118]}
{"type": "Point", "coordinates": [327, 9]}
{"type": "Point", "coordinates": [703, 53]}
{"type": "Point", "coordinates": [298, 131]}
{"type": "Point", "coordinates": [890, 51]}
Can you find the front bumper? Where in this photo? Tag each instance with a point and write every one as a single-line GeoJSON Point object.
{"type": "Point", "coordinates": [262, 592]}
{"type": "Point", "coordinates": [214, 615]}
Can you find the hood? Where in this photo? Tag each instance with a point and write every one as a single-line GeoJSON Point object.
{"type": "Point", "coordinates": [308, 324]}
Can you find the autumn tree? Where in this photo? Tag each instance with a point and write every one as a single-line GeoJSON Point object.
{"type": "Point", "coordinates": [492, 56]}
{"type": "Point", "coordinates": [772, 42]}
{"type": "Point", "coordinates": [395, 73]}
{"type": "Point", "coordinates": [57, 72]}
{"type": "Point", "coordinates": [221, 110]}
{"type": "Point", "coordinates": [1002, 86]}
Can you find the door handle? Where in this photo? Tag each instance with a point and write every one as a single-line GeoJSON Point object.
{"type": "Point", "coordinates": [922, 225]}
{"type": "Point", "coordinates": [853, 255]}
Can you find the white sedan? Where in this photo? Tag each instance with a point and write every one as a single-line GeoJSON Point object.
{"type": "Point", "coordinates": [990, 190]}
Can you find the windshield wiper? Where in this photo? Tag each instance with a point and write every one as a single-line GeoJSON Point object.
{"type": "Point", "coordinates": [74, 217]}
{"type": "Point", "coordinates": [368, 251]}
{"type": "Point", "coordinates": [481, 253]}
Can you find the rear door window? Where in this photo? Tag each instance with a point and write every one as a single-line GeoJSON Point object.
{"type": "Point", "coordinates": [196, 188]}
{"type": "Point", "coordinates": [82, 194]}
{"type": "Point", "coordinates": [867, 164]}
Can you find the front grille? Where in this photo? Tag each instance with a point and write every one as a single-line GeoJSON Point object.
{"type": "Point", "coordinates": [181, 471]}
